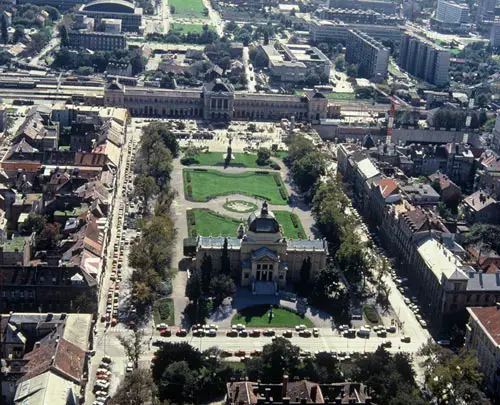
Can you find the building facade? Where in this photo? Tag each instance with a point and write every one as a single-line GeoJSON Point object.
{"type": "Point", "coordinates": [217, 101]}
{"type": "Point", "coordinates": [451, 12]}
{"type": "Point", "coordinates": [266, 260]}
{"type": "Point", "coordinates": [370, 55]}
{"type": "Point", "coordinates": [424, 59]}
{"type": "Point", "coordinates": [495, 33]}
{"type": "Point", "coordinates": [130, 15]}
{"type": "Point", "coordinates": [97, 41]}
{"type": "Point", "coordinates": [322, 30]}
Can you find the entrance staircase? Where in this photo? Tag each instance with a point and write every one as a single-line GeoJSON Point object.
{"type": "Point", "coordinates": [264, 288]}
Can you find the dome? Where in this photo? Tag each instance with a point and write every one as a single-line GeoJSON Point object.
{"type": "Point", "coordinates": [263, 221]}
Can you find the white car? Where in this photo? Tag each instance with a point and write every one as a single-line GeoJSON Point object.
{"type": "Point", "coordinates": [129, 368]}
{"type": "Point", "coordinates": [161, 326]}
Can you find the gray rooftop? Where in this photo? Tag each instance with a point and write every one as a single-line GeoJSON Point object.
{"type": "Point", "coordinates": [218, 242]}
{"type": "Point", "coordinates": [483, 282]}
{"type": "Point", "coordinates": [305, 244]}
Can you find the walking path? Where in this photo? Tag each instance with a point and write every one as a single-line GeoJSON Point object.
{"type": "Point", "coordinates": [181, 205]}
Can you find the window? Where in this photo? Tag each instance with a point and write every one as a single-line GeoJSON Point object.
{"type": "Point", "coordinates": [271, 267]}
{"type": "Point", "coordinates": [247, 275]}
{"type": "Point", "coordinates": [258, 267]}
{"type": "Point", "coordinates": [457, 286]}
{"type": "Point", "coordinates": [264, 267]}
{"type": "Point", "coordinates": [455, 298]}
{"type": "Point", "coordinates": [477, 297]}
{"type": "Point", "coordinates": [486, 298]}
{"type": "Point", "coordinates": [468, 298]}
{"type": "Point", "coordinates": [281, 276]}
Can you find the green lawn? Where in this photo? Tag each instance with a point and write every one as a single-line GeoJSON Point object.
{"type": "Point", "coordinates": [281, 154]}
{"type": "Point", "coordinates": [258, 317]}
{"type": "Point", "coordinates": [187, 8]}
{"type": "Point", "coordinates": [186, 28]}
{"type": "Point", "coordinates": [202, 185]}
{"type": "Point", "coordinates": [333, 96]}
{"type": "Point", "coordinates": [217, 159]}
{"type": "Point", "coordinates": [208, 222]}
{"type": "Point", "coordinates": [163, 312]}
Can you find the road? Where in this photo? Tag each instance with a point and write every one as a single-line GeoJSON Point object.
{"type": "Point", "coordinates": [53, 43]}
{"type": "Point", "coordinates": [248, 72]}
{"type": "Point", "coordinates": [214, 18]}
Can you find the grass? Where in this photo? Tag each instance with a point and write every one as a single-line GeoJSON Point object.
{"type": "Point", "coordinates": [250, 207]}
{"type": "Point", "coordinates": [207, 184]}
{"type": "Point", "coordinates": [163, 312]}
{"type": "Point", "coordinates": [16, 244]}
{"type": "Point", "coordinates": [281, 154]}
{"type": "Point", "coordinates": [208, 223]}
{"type": "Point", "coordinates": [333, 95]}
{"type": "Point", "coordinates": [186, 28]}
{"type": "Point", "coordinates": [370, 314]}
{"type": "Point", "coordinates": [258, 317]}
{"type": "Point", "coordinates": [217, 159]}
{"type": "Point", "coordinates": [187, 8]}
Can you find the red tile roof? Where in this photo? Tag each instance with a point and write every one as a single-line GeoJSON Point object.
{"type": "Point", "coordinates": [489, 317]}
{"type": "Point", "coordinates": [387, 186]}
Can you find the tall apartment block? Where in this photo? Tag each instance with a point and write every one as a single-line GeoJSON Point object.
{"type": "Point", "coordinates": [424, 59]}
{"type": "Point", "coordinates": [486, 10]}
{"type": "Point", "coordinates": [371, 56]}
{"type": "Point", "coordinates": [452, 13]}
{"type": "Point", "coordinates": [495, 33]}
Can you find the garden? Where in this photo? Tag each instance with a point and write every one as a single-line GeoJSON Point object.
{"type": "Point", "coordinates": [218, 159]}
{"type": "Point", "coordinates": [202, 185]}
{"type": "Point", "coordinates": [187, 8]}
{"type": "Point", "coordinates": [258, 317]}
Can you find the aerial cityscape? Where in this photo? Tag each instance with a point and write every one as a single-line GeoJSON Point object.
{"type": "Point", "coordinates": [245, 202]}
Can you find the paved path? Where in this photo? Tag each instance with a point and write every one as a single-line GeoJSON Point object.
{"type": "Point", "coordinates": [181, 205]}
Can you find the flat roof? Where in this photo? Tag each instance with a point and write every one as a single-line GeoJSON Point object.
{"type": "Point", "coordinates": [440, 260]}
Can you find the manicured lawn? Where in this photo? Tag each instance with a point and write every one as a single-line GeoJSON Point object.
{"type": "Point", "coordinates": [201, 185]}
{"type": "Point", "coordinates": [217, 159]}
{"type": "Point", "coordinates": [258, 317]}
{"type": "Point", "coordinates": [185, 28]}
{"type": "Point", "coordinates": [208, 222]}
{"type": "Point", "coordinates": [289, 229]}
{"type": "Point", "coordinates": [163, 312]}
{"type": "Point", "coordinates": [340, 96]}
{"type": "Point", "coordinates": [187, 8]}
{"type": "Point", "coordinates": [281, 154]}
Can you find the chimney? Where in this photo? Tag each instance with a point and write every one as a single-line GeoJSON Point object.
{"type": "Point", "coordinates": [314, 392]}
{"type": "Point", "coordinates": [37, 345]}
{"type": "Point", "coordinates": [285, 385]}
{"type": "Point", "coordinates": [498, 305]}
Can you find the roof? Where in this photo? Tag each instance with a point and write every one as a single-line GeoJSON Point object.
{"type": "Point", "coordinates": [440, 260]}
{"type": "Point", "coordinates": [489, 319]}
{"type": "Point", "coordinates": [218, 242]}
{"type": "Point", "coordinates": [478, 200]}
{"type": "Point", "coordinates": [263, 221]}
{"type": "Point", "coordinates": [483, 281]}
{"type": "Point", "coordinates": [264, 252]}
{"type": "Point", "coordinates": [47, 389]}
{"type": "Point", "coordinates": [367, 169]}
{"type": "Point", "coordinates": [219, 86]}
{"type": "Point", "coordinates": [305, 244]}
{"type": "Point", "coordinates": [387, 186]}
{"type": "Point", "coordinates": [444, 180]}
{"type": "Point", "coordinates": [120, 6]}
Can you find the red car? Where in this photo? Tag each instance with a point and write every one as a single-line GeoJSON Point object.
{"type": "Point", "coordinates": [240, 353]}
{"type": "Point", "coordinates": [231, 333]}
{"type": "Point", "coordinates": [254, 333]}
{"type": "Point", "coordinates": [166, 332]}
{"type": "Point", "coordinates": [181, 333]}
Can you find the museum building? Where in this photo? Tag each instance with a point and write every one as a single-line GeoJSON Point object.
{"type": "Point", "coordinates": [266, 260]}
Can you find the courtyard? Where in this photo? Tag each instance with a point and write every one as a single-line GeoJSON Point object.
{"type": "Point", "coordinates": [258, 317]}
{"type": "Point", "coordinates": [218, 159]}
{"type": "Point", "coordinates": [187, 8]}
{"type": "Point", "coordinates": [203, 185]}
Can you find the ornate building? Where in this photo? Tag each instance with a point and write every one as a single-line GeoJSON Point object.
{"type": "Point", "coordinates": [217, 101]}
{"type": "Point", "coordinates": [266, 260]}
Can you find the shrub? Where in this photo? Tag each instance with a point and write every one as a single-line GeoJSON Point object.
{"type": "Point", "coordinates": [264, 172]}
{"type": "Point", "coordinates": [200, 170]}
{"type": "Point", "coordinates": [191, 218]}
{"type": "Point", "coordinates": [194, 234]}
{"type": "Point", "coordinates": [294, 219]}
{"type": "Point", "coordinates": [275, 166]}
{"type": "Point", "coordinates": [186, 161]}
{"type": "Point", "coordinates": [163, 309]}
{"type": "Point", "coordinates": [302, 235]}
{"type": "Point", "coordinates": [188, 177]}
{"type": "Point", "coordinates": [370, 313]}
{"type": "Point", "coordinates": [189, 190]}
{"type": "Point", "coordinates": [283, 194]}
{"type": "Point", "coordinates": [277, 179]}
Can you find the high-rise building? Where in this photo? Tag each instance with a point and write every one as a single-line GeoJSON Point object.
{"type": "Point", "coordinates": [452, 13]}
{"type": "Point", "coordinates": [486, 10]}
{"type": "Point", "coordinates": [371, 56]}
{"type": "Point", "coordinates": [495, 33]}
{"type": "Point", "coordinates": [424, 59]}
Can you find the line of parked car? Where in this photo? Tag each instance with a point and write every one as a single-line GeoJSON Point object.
{"type": "Point", "coordinates": [101, 384]}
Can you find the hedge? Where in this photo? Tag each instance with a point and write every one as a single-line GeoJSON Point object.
{"type": "Point", "coordinates": [189, 190]}
{"type": "Point", "coordinates": [188, 177]}
{"type": "Point", "coordinates": [200, 170]}
{"type": "Point", "coordinates": [294, 219]}
{"type": "Point", "coordinates": [277, 179]}
{"type": "Point", "coordinates": [371, 313]}
{"type": "Point", "coordinates": [275, 166]}
{"type": "Point", "coordinates": [302, 235]}
{"type": "Point", "coordinates": [261, 172]}
{"type": "Point", "coordinates": [283, 194]}
{"type": "Point", "coordinates": [191, 218]}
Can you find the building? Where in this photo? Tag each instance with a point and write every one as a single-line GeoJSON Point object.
{"type": "Point", "coordinates": [302, 392]}
{"type": "Point", "coordinates": [267, 261]}
{"type": "Point", "coordinates": [421, 194]}
{"type": "Point", "coordinates": [424, 59]}
{"type": "Point", "coordinates": [385, 7]}
{"type": "Point", "coordinates": [291, 63]}
{"type": "Point", "coordinates": [453, 13]}
{"type": "Point", "coordinates": [370, 55]}
{"type": "Point", "coordinates": [96, 41]}
{"type": "Point", "coordinates": [217, 101]}
{"type": "Point", "coordinates": [482, 338]}
{"type": "Point", "coordinates": [130, 16]}
{"type": "Point", "coordinates": [336, 31]}
{"type": "Point", "coordinates": [358, 16]}
{"type": "Point", "coordinates": [480, 207]}
{"type": "Point", "coordinates": [61, 5]}
{"type": "Point", "coordinates": [495, 33]}
{"type": "Point", "coordinates": [450, 192]}
{"type": "Point", "coordinates": [485, 11]}
{"type": "Point", "coordinates": [112, 25]}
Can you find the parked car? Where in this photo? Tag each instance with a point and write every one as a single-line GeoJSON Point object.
{"type": "Point", "coordinates": [287, 333]}
{"type": "Point", "coordinates": [305, 333]}
{"type": "Point", "coordinates": [254, 333]}
{"type": "Point", "coordinates": [232, 333]}
{"type": "Point", "coordinates": [406, 339]}
{"type": "Point", "coordinates": [181, 332]}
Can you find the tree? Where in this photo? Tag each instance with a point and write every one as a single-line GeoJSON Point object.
{"type": "Point", "coordinates": [206, 272]}
{"type": "Point", "coordinates": [137, 388]}
{"type": "Point", "coordinates": [307, 170]}
{"type": "Point", "coordinates": [352, 70]}
{"type": "Point", "coordinates": [193, 286]}
{"type": "Point", "coordinates": [159, 130]}
{"type": "Point", "coordinates": [178, 383]}
{"type": "Point", "coordinates": [170, 353]}
{"type": "Point", "coordinates": [133, 345]}
{"type": "Point", "coordinates": [300, 147]}
{"type": "Point", "coordinates": [5, 32]}
{"type": "Point", "coordinates": [279, 358]}
{"type": "Point", "coordinates": [34, 223]}
{"type": "Point", "coordinates": [488, 235]}
{"type": "Point", "coordinates": [49, 236]}
{"type": "Point", "coordinates": [221, 287]}
{"type": "Point", "coordinates": [436, 185]}
{"type": "Point", "coordinates": [18, 34]}
{"type": "Point", "coordinates": [452, 378]}
{"type": "Point", "coordinates": [266, 37]}
{"type": "Point", "coordinates": [352, 258]}
{"type": "Point", "coordinates": [146, 188]}
{"type": "Point", "coordinates": [263, 156]}
{"type": "Point", "coordinates": [340, 63]}
{"type": "Point", "coordinates": [312, 79]}
{"type": "Point", "coordinates": [483, 100]}
{"type": "Point", "coordinates": [225, 266]}
{"type": "Point", "coordinates": [63, 34]}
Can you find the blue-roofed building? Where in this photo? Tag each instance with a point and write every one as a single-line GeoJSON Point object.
{"type": "Point", "coordinates": [266, 259]}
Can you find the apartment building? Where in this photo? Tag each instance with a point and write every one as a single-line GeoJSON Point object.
{"type": "Point", "coordinates": [97, 41]}
{"type": "Point", "coordinates": [482, 337]}
{"type": "Point", "coordinates": [485, 11]}
{"type": "Point", "coordinates": [452, 13]}
{"type": "Point", "coordinates": [495, 33]}
{"type": "Point", "coordinates": [323, 30]}
{"type": "Point", "coordinates": [128, 13]}
{"type": "Point", "coordinates": [424, 59]}
{"type": "Point", "coordinates": [369, 54]}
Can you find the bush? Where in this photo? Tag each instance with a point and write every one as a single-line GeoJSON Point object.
{"type": "Point", "coordinates": [371, 313]}
{"type": "Point", "coordinates": [188, 177]}
{"type": "Point", "coordinates": [277, 179]}
{"type": "Point", "coordinates": [191, 218]}
{"type": "Point", "coordinates": [302, 235]}
{"type": "Point", "coordinates": [283, 194]}
{"type": "Point", "coordinates": [275, 166]}
{"type": "Point", "coordinates": [200, 170]}
{"type": "Point", "coordinates": [189, 190]}
{"type": "Point", "coordinates": [294, 219]}
{"type": "Point", "coordinates": [264, 172]}
{"type": "Point", "coordinates": [163, 309]}
{"type": "Point", "coordinates": [186, 161]}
